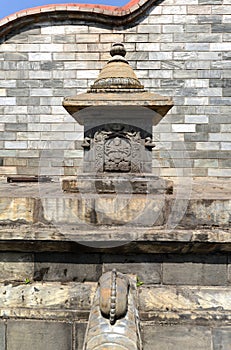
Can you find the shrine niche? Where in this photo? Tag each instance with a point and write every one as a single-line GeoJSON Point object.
{"type": "Point", "coordinates": [118, 115]}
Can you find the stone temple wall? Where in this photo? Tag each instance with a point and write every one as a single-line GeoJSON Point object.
{"type": "Point", "coordinates": [54, 246]}
{"type": "Point", "coordinates": [179, 48]}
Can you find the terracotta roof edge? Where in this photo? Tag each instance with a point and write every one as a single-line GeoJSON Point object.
{"type": "Point", "coordinates": [109, 15]}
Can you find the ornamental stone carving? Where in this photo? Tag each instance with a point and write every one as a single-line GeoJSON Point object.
{"type": "Point", "coordinates": [117, 154]}
{"type": "Point", "coordinates": [117, 148]}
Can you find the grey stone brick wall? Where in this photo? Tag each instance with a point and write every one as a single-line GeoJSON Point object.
{"type": "Point", "coordinates": [180, 48]}
{"type": "Point", "coordinates": [62, 335]}
{"type": "Point", "coordinates": [200, 337]}
{"type": "Point", "coordinates": [159, 269]}
{"type": "Point", "coordinates": [184, 301]}
{"type": "Point", "coordinates": [38, 335]}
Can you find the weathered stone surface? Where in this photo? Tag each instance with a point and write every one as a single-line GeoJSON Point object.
{"type": "Point", "coordinates": [71, 238]}
{"type": "Point", "coordinates": [202, 212]}
{"type": "Point", "coordinates": [148, 269]}
{"type": "Point", "coordinates": [221, 338]}
{"type": "Point", "coordinates": [2, 336]}
{"type": "Point", "coordinates": [16, 266]}
{"type": "Point", "coordinates": [71, 267]}
{"type": "Point", "coordinates": [160, 104]}
{"type": "Point", "coordinates": [17, 209]}
{"type": "Point", "coordinates": [204, 206]}
{"type": "Point", "coordinates": [193, 270]}
{"type": "Point", "coordinates": [184, 303]}
{"type": "Point", "coordinates": [229, 270]}
{"type": "Point", "coordinates": [53, 300]}
{"type": "Point", "coordinates": [108, 183]}
{"type": "Point", "coordinates": [39, 335]}
{"type": "Point", "coordinates": [137, 211]}
{"type": "Point", "coordinates": [112, 210]}
{"type": "Point", "coordinates": [80, 329]}
{"type": "Point", "coordinates": [26, 300]}
{"type": "Point", "coordinates": [174, 337]}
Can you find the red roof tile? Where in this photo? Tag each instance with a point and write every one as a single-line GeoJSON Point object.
{"type": "Point", "coordinates": [110, 15]}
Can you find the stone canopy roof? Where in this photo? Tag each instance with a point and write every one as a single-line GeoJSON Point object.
{"type": "Point", "coordinates": [117, 74]}
{"type": "Point", "coordinates": [118, 85]}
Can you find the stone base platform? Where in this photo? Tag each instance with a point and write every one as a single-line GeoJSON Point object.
{"type": "Point", "coordinates": [118, 183]}
{"type": "Point", "coordinates": [205, 204]}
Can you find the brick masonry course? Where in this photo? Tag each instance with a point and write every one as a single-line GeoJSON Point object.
{"type": "Point", "coordinates": [151, 269]}
{"type": "Point", "coordinates": [184, 56]}
{"type": "Point", "coordinates": [178, 266]}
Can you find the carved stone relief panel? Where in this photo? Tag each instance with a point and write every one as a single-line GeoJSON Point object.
{"type": "Point", "coordinates": [117, 154]}
{"type": "Point", "coordinates": [117, 148]}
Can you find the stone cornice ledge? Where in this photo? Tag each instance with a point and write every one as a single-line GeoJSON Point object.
{"type": "Point", "coordinates": [110, 16]}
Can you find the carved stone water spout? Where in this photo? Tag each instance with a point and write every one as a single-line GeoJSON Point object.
{"type": "Point", "coordinates": [113, 322]}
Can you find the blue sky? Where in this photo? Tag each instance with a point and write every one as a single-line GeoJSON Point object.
{"type": "Point", "coordinates": [10, 6]}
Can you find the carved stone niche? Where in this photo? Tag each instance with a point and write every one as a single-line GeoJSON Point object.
{"type": "Point", "coordinates": [118, 115]}
{"type": "Point", "coordinates": [117, 148]}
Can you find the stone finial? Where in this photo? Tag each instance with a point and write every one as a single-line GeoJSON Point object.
{"type": "Point", "coordinates": [117, 75]}
{"type": "Point", "coordinates": [118, 53]}
{"type": "Point", "coordinates": [118, 49]}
